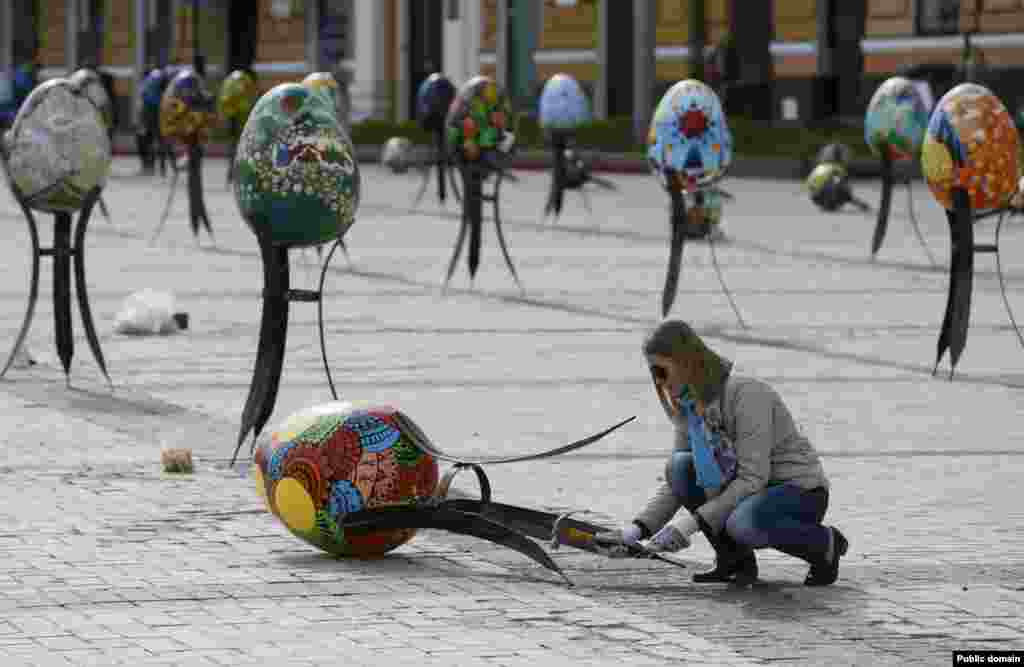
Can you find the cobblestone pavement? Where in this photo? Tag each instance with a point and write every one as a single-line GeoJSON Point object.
{"type": "Point", "coordinates": [107, 560]}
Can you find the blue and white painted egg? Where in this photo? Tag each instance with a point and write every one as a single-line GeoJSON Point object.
{"type": "Point", "coordinates": [689, 142]}
{"type": "Point", "coordinates": [563, 104]}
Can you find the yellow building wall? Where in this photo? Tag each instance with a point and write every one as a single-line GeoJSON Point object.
{"type": "Point", "coordinates": [52, 21]}
{"type": "Point", "coordinates": [119, 37]}
{"type": "Point", "coordinates": [280, 39]}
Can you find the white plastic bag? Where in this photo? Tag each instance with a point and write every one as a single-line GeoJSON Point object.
{"type": "Point", "coordinates": [146, 313]}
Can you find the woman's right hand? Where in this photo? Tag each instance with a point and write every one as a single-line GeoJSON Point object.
{"type": "Point", "coordinates": [619, 542]}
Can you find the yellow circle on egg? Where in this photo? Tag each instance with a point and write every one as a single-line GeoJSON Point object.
{"type": "Point", "coordinates": [294, 505]}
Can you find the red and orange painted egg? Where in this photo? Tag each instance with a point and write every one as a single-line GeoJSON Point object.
{"type": "Point", "coordinates": [330, 460]}
{"type": "Point", "coordinates": [971, 145]}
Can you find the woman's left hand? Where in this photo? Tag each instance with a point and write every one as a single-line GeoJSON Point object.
{"type": "Point", "coordinates": [675, 536]}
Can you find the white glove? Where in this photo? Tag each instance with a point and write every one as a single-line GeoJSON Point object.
{"type": "Point", "coordinates": [507, 142]}
{"type": "Point", "coordinates": [676, 533]}
{"type": "Point", "coordinates": [616, 543]}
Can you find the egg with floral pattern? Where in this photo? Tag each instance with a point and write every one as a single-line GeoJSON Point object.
{"type": "Point", "coordinates": [971, 145]}
{"type": "Point", "coordinates": [58, 149]}
{"type": "Point", "coordinates": [433, 98]}
{"type": "Point", "coordinates": [689, 142]}
{"type": "Point", "coordinates": [324, 83]}
{"type": "Point", "coordinates": [563, 104]}
{"type": "Point", "coordinates": [477, 120]}
{"type": "Point", "coordinates": [297, 181]}
{"type": "Point", "coordinates": [187, 109]}
{"type": "Point", "coordinates": [896, 120]}
{"type": "Point", "coordinates": [333, 459]}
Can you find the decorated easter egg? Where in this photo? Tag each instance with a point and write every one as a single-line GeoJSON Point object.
{"type": "Point", "coordinates": [333, 459]}
{"type": "Point", "coordinates": [397, 154]}
{"type": "Point", "coordinates": [89, 82]}
{"type": "Point", "coordinates": [826, 185]}
{"type": "Point", "coordinates": [971, 144]}
{"type": "Point", "coordinates": [563, 105]}
{"type": "Point", "coordinates": [477, 120]}
{"type": "Point", "coordinates": [836, 152]}
{"type": "Point", "coordinates": [297, 180]}
{"type": "Point", "coordinates": [238, 93]}
{"type": "Point", "coordinates": [151, 89]}
{"type": "Point", "coordinates": [324, 83]}
{"type": "Point", "coordinates": [58, 148]}
{"type": "Point", "coordinates": [689, 142]}
{"type": "Point", "coordinates": [433, 98]}
{"type": "Point", "coordinates": [187, 109]}
{"type": "Point", "coordinates": [896, 120]}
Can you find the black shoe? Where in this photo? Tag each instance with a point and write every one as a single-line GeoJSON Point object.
{"type": "Point", "coordinates": [742, 572]}
{"type": "Point", "coordinates": [825, 573]}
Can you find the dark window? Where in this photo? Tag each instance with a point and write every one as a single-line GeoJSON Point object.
{"type": "Point", "coordinates": [25, 16]}
{"type": "Point", "coordinates": [938, 17]}
{"type": "Point", "coordinates": [335, 33]}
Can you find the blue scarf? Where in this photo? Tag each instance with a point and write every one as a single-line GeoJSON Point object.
{"type": "Point", "coordinates": [714, 464]}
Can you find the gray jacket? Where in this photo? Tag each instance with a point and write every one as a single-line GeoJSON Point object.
{"type": "Point", "coordinates": [770, 450]}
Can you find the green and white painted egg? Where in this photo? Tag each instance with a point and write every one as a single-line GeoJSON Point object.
{"type": "Point", "coordinates": [58, 148]}
{"type": "Point", "coordinates": [297, 178]}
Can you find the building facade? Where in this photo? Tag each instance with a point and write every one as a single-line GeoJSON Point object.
{"type": "Point", "coordinates": [384, 48]}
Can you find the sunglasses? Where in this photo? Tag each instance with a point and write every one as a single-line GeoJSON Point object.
{"type": "Point", "coordinates": [659, 372]}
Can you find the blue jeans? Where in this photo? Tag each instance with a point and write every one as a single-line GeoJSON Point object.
{"type": "Point", "coordinates": [782, 517]}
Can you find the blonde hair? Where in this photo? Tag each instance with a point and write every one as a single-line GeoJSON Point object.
{"type": "Point", "coordinates": [678, 341]}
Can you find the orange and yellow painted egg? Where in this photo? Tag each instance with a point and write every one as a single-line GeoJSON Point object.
{"type": "Point", "coordinates": [187, 109]}
{"type": "Point", "coordinates": [333, 459]}
{"type": "Point", "coordinates": [971, 145]}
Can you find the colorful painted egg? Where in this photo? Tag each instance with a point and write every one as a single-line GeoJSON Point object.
{"type": "Point", "coordinates": [58, 147]}
{"type": "Point", "coordinates": [152, 87]}
{"type": "Point", "coordinates": [689, 142]}
{"type": "Point", "coordinates": [333, 459]}
{"type": "Point", "coordinates": [836, 152]}
{"type": "Point", "coordinates": [89, 82]}
{"type": "Point", "coordinates": [324, 83]}
{"type": "Point", "coordinates": [971, 144]}
{"type": "Point", "coordinates": [478, 119]}
{"type": "Point", "coordinates": [896, 120]}
{"type": "Point", "coordinates": [238, 94]}
{"type": "Point", "coordinates": [827, 185]}
{"type": "Point", "coordinates": [563, 104]}
{"type": "Point", "coordinates": [297, 181]}
{"type": "Point", "coordinates": [397, 154]}
{"type": "Point", "coordinates": [187, 109]}
{"type": "Point", "coordinates": [433, 98]}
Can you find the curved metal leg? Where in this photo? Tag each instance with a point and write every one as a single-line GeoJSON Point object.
{"type": "Point", "coordinates": [104, 210]}
{"type": "Point", "coordinates": [62, 292]}
{"type": "Point", "coordinates": [675, 258]}
{"type": "Point", "coordinates": [721, 282]}
{"type": "Point", "coordinates": [167, 206]}
{"type": "Point", "coordinates": [273, 334]}
{"type": "Point", "coordinates": [882, 222]}
{"type": "Point", "coordinates": [441, 163]}
{"type": "Point", "coordinates": [953, 335]}
{"type": "Point", "coordinates": [33, 290]}
{"type": "Point", "coordinates": [473, 206]}
{"type": "Point", "coordinates": [916, 227]}
{"type": "Point", "coordinates": [459, 241]}
{"type": "Point", "coordinates": [82, 289]}
{"type": "Point", "coordinates": [423, 187]}
{"type": "Point", "coordinates": [197, 205]}
{"type": "Point", "coordinates": [320, 317]}
{"type": "Point", "coordinates": [1002, 283]}
{"type": "Point", "coordinates": [497, 227]}
{"type": "Point", "coordinates": [454, 181]}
